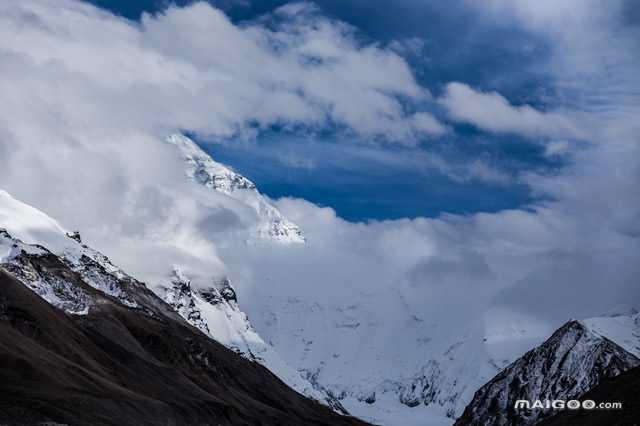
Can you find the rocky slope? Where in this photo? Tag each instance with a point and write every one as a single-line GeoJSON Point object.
{"type": "Point", "coordinates": [202, 169]}
{"type": "Point", "coordinates": [575, 359]}
{"type": "Point", "coordinates": [83, 343]}
{"type": "Point", "coordinates": [624, 389]}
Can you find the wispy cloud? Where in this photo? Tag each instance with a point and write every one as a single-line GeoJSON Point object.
{"type": "Point", "coordinates": [493, 112]}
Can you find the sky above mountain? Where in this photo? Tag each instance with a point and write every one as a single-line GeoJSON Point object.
{"type": "Point", "coordinates": [466, 169]}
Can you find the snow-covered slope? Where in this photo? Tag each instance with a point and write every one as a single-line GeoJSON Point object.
{"type": "Point", "coordinates": [29, 224]}
{"type": "Point", "coordinates": [389, 365]}
{"type": "Point", "coordinates": [24, 233]}
{"type": "Point", "coordinates": [202, 169]}
{"type": "Point", "coordinates": [572, 361]}
{"type": "Point", "coordinates": [215, 311]}
{"type": "Point", "coordinates": [623, 328]}
{"type": "Point", "coordinates": [16, 257]}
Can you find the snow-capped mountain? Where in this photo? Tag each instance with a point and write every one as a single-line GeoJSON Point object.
{"type": "Point", "coordinates": [575, 359]}
{"type": "Point", "coordinates": [427, 375]}
{"type": "Point", "coordinates": [214, 310]}
{"type": "Point", "coordinates": [16, 258]}
{"type": "Point", "coordinates": [368, 350]}
{"type": "Point", "coordinates": [202, 169]}
{"type": "Point", "coordinates": [24, 233]}
{"type": "Point", "coordinates": [83, 343]}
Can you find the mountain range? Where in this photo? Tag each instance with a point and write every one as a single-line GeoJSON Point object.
{"type": "Point", "coordinates": [128, 345]}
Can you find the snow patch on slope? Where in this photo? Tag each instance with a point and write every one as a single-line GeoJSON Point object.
{"type": "Point", "coordinates": [97, 270]}
{"type": "Point", "coordinates": [17, 258]}
{"type": "Point", "coordinates": [624, 330]}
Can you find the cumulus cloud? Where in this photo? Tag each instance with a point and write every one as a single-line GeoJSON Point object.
{"type": "Point", "coordinates": [493, 112]}
{"type": "Point", "coordinates": [588, 61]}
{"type": "Point", "coordinates": [202, 72]}
{"type": "Point", "coordinates": [89, 96]}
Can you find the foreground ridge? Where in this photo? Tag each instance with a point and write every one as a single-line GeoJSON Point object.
{"type": "Point", "coordinates": [85, 345]}
{"type": "Point", "coordinates": [574, 360]}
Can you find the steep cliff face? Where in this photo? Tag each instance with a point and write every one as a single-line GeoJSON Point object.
{"type": "Point", "coordinates": [575, 359]}
{"type": "Point", "coordinates": [202, 169]}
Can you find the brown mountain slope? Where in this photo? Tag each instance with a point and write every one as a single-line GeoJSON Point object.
{"type": "Point", "coordinates": [122, 366]}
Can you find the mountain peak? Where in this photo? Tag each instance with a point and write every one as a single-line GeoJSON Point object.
{"type": "Point", "coordinates": [202, 169]}
{"type": "Point", "coordinates": [572, 361]}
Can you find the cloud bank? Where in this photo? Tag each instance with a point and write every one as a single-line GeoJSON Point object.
{"type": "Point", "coordinates": [199, 71]}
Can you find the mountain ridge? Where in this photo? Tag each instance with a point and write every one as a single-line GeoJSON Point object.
{"type": "Point", "coordinates": [205, 171]}
{"type": "Point", "coordinates": [574, 360]}
{"type": "Point", "coordinates": [86, 357]}
{"type": "Point", "coordinates": [213, 310]}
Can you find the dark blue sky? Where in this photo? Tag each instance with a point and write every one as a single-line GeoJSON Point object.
{"type": "Point", "coordinates": [365, 180]}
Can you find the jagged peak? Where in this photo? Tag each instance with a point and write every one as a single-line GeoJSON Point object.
{"type": "Point", "coordinates": [204, 170]}
{"type": "Point", "coordinates": [574, 359]}
{"type": "Point", "coordinates": [75, 235]}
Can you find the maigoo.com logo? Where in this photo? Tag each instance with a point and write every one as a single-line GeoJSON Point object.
{"type": "Point", "coordinates": [561, 404]}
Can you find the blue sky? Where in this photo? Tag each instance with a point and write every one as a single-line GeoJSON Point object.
{"type": "Point", "coordinates": [363, 179]}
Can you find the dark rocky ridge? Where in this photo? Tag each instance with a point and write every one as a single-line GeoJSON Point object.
{"type": "Point", "coordinates": [571, 362]}
{"type": "Point", "coordinates": [120, 365]}
{"type": "Point", "coordinates": [624, 388]}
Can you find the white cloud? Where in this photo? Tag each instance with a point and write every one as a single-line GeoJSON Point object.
{"type": "Point", "coordinates": [491, 111]}
{"type": "Point", "coordinates": [427, 123]}
{"type": "Point", "coordinates": [543, 13]}
{"type": "Point", "coordinates": [587, 58]}
{"type": "Point", "coordinates": [202, 72]}
{"type": "Point", "coordinates": [556, 148]}
{"type": "Point", "coordinates": [87, 96]}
